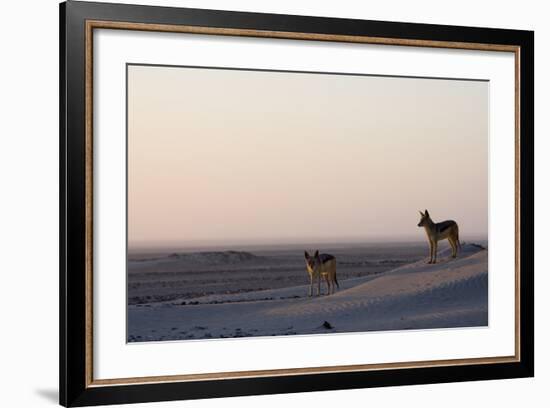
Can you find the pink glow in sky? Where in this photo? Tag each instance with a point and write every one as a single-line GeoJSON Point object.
{"type": "Point", "coordinates": [265, 157]}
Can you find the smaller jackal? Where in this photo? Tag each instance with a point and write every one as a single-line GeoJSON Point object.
{"type": "Point", "coordinates": [321, 265]}
{"type": "Point", "coordinates": [437, 232]}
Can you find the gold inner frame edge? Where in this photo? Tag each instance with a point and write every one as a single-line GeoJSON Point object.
{"type": "Point", "coordinates": [93, 24]}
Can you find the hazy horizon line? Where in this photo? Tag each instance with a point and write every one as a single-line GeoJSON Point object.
{"type": "Point", "coordinates": [143, 245]}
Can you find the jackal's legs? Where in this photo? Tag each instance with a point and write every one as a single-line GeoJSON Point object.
{"type": "Point", "coordinates": [452, 242]}
{"type": "Point", "coordinates": [330, 285]}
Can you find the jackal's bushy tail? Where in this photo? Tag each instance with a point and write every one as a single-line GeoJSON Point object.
{"type": "Point", "coordinates": [458, 238]}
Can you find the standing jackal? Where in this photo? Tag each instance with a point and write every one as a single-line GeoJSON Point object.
{"type": "Point", "coordinates": [437, 232]}
{"type": "Point", "coordinates": [321, 264]}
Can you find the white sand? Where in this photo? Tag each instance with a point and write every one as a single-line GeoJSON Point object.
{"type": "Point", "coordinates": [451, 293]}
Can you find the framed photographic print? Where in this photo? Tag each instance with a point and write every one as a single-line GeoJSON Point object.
{"type": "Point", "coordinates": [257, 203]}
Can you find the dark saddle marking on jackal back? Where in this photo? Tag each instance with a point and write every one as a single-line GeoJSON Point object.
{"type": "Point", "coordinates": [325, 258]}
{"type": "Point", "coordinates": [445, 225]}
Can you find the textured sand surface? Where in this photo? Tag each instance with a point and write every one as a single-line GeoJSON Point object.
{"type": "Point", "coordinates": [451, 293]}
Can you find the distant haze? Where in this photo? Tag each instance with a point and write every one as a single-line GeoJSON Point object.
{"type": "Point", "coordinates": [226, 156]}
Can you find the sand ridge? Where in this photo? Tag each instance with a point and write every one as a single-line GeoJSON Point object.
{"type": "Point", "coordinates": [451, 293]}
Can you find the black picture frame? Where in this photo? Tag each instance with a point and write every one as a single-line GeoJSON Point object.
{"type": "Point", "coordinates": [75, 388]}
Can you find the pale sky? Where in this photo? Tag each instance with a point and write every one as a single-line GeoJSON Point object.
{"type": "Point", "coordinates": [219, 156]}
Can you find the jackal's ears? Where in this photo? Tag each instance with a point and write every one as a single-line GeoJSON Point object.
{"type": "Point", "coordinates": [426, 212]}
{"type": "Point", "coordinates": [306, 254]}
{"type": "Point", "coordinates": [421, 213]}
{"type": "Point", "coordinates": [316, 254]}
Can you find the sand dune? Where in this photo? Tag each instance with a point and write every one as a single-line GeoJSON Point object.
{"type": "Point", "coordinates": [176, 274]}
{"type": "Point", "coordinates": [452, 293]}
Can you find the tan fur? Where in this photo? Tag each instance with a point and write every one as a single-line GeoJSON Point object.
{"type": "Point", "coordinates": [317, 270]}
{"type": "Point", "coordinates": [436, 232]}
